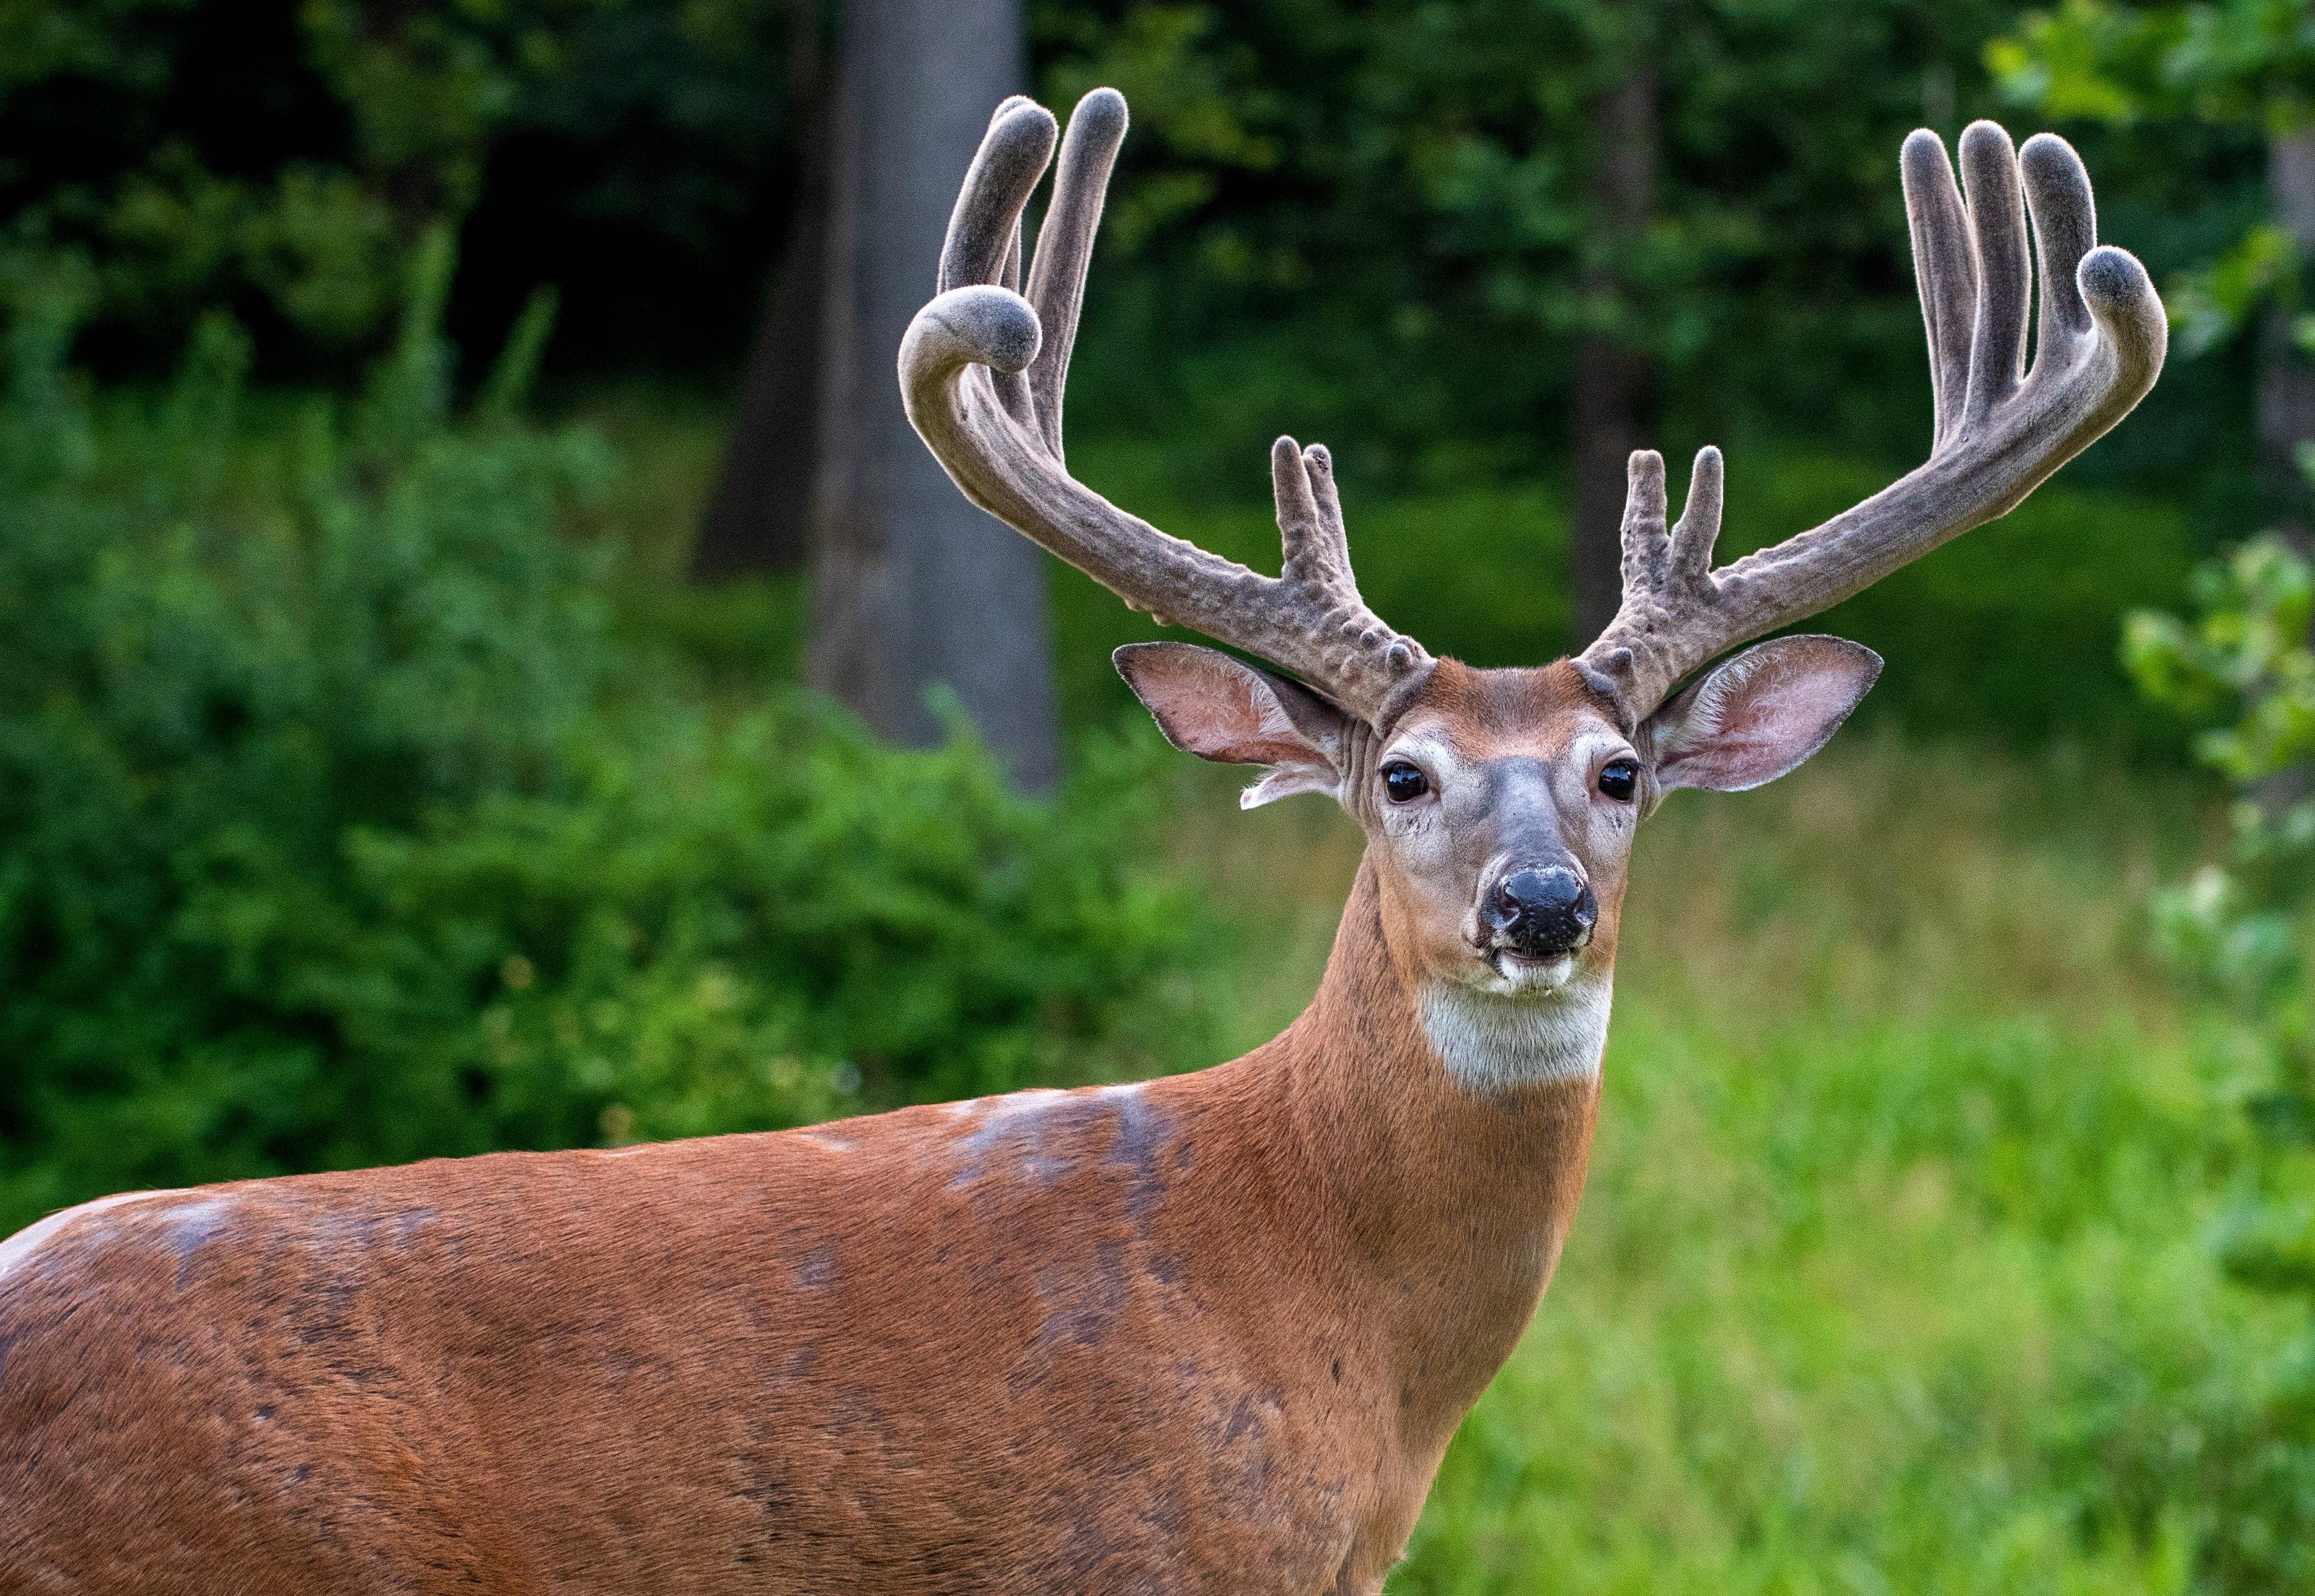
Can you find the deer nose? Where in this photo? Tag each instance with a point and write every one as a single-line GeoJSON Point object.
{"type": "Point", "coordinates": [1540, 914]}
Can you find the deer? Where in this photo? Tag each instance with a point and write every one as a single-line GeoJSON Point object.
{"type": "Point", "coordinates": [1206, 1333]}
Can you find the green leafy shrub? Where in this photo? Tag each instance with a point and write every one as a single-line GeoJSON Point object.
{"type": "Point", "coordinates": [337, 824]}
{"type": "Point", "coordinates": [287, 157]}
{"type": "Point", "coordinates": [2243, 669]}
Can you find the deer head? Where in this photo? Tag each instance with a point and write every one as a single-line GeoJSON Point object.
{"type": "Point", "coordinates": [1500, 806]}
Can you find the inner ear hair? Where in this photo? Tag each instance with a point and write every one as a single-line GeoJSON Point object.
{"type": "Point", "coordinates": [1758, 714]}
{"type": "Point", "coordinates": [1221, 707]}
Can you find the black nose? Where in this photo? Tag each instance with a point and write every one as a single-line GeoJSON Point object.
{"type": "Point", "coordinates": [1542, 913]}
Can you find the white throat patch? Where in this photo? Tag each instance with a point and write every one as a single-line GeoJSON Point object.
{"type": "Point", "coordinates": [1491, 1043]}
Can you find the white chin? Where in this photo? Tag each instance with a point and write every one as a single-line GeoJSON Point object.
{"type": "Point", "coordinates": [1516, 974]}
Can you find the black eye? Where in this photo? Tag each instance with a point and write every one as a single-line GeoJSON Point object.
{"type": "Point", "coordinates": [1619, 780]}
{"type": "Point", "coordinates": [1404, 781]}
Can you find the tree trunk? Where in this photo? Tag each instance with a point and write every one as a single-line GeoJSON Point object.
{"type": "Point", "coordinates": [913, 589]}
{"type": "Point", "coordinates": [759, 519]}
{"type": "Point", "coordinates": [1614, 398]}
{"type": "Point", "coordinates": [2286, 389]}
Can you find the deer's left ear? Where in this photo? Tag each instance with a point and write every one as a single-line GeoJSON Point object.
{"type": "Point", "coordinates": [1760, 713]}
{"type": "Point", "coordinates": [1218, 707]}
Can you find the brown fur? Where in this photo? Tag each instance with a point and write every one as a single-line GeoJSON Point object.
{"type": "Point", "coordinates": [1208, 1335]}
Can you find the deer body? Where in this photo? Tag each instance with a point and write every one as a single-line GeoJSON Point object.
{"type": "Point", "coordinates": [1209, 1334]}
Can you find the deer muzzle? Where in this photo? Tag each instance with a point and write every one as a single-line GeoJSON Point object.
{"type": "Point", "coordinates": [1540, 912]}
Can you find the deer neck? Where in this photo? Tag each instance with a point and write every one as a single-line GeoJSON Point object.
{"type": "Point", "coordinates": [1447, 1189]}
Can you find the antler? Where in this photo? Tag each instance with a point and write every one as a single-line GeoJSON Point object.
{"type": "Point", "coordinates": [2000, 429]}
{"type": "Point", "coordinates": [982, 371]}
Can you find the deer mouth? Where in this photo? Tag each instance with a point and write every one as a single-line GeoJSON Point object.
{"type": "Point", "coordinates": [1517, 973]}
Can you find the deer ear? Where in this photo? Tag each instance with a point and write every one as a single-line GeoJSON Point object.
{"type": "Point", "coordinates": [1218, 707]}
{"type": "Point", "coordinates": [1761, 714]}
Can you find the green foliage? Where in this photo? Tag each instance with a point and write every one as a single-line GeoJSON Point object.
{"type": "Point", "coordinates": [286, 156]}
{"type": "Point", "coordinates": [2214, 304]}
{"type": "Point", "coordinates": [2217, 60]}
{"type": "Point", "coordinates": [1452, 153]}
{"type": "Point", "coordinates": [2243, 927]}
{"type": "Point", "coordinates": [2244, 668]}
{"type": "Point", "coordinates": [339, 824]}
{"type": "Point", "coordinates": [1395, 203]}
{"type": "Point", "coordinates": [2243, 661]}
{"type": "Point", "coordinates": [2242, 63]}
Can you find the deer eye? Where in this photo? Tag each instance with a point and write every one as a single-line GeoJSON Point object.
{"type": "Point", "coordinates": [1619, 780]}
{"type": "Point", "coordinates": [1404, 781]}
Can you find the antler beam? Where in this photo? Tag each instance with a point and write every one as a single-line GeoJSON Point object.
{"type": "Point", "coordinates": [2000, 429]}
{"type": "Point", "coordinates": [982, 371]}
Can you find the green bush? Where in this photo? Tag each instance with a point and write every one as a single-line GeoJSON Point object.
{"type": "Point", "coordinates": [287, 157]}
{"type": "Point", "coordinates": [337, 824]}
{"type": "Point", "coordinates": [2242, 670]}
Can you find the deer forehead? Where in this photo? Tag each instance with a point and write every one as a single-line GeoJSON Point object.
{"type": "Point", "coordinates": [1536, 712]}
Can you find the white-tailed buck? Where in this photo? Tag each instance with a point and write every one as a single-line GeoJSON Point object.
{"type": "Point", "coordinates": [1208, 1334]}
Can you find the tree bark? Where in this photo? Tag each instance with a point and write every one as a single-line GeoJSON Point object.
{"type": "Point", "coordinates": [758, 518]}
{"type": "Point", "coordinates": [1614, 396]}
{"type": "Point", "coordinates": [2286, 389]}
{"type": "Point", "coordinates": [913, 587]}
{"type": "Point", "coordinates": [1613, 401]}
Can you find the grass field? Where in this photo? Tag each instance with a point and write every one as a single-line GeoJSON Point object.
{"type": "Point", "coordinates": [1892, 1275]}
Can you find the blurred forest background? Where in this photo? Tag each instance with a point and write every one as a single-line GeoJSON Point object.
{"type": "Point", "coordinates": [480, 666]}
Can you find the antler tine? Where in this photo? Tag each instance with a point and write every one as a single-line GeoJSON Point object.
{"type": "Point", "coordinates": [1317, 589]}
{"type": "Point", "coordinates": [1647, 544]}
{"type": "Point", "coordinates": [1944, 269]}
{"type": "Point", "coordinates": [1698, 528]}
{"type": "Point", "coordinates": [1065, 246]}
{"type": "Point", "coordinates": [2065, 226]}
{"type": "Point", "coordinates": [1667, 575]}
{"type": "Point", "coordinates": [985, 222]}
{"type": "Point", "coordinates": [997, 432]}
{"type": "Point", "coordinates": [983, 244]}
{"type": "Point", "coordinates": [1996, 221]}
{"type": "Point", "coordinates": [2000, 429]}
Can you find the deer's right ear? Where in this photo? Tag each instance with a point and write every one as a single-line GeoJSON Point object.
{"type": "Point", "coordinates": [1218, 707]}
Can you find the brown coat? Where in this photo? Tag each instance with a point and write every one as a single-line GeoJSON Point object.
{"type": "Point", "coordinates": [1211, 1334]}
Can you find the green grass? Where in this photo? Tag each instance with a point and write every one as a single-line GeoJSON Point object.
{"type": "Point", "coordinates": [1892, 1275]}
